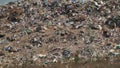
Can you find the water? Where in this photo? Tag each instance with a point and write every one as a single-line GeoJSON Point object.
{"type": "Point", "coordinates": [5, 1]}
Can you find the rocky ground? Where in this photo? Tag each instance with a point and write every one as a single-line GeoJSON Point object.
{"type": "Point", "coordinates": [51, 31]}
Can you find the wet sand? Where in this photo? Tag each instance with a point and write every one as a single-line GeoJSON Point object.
{"type": "Point", "coordinates": [75, 65]}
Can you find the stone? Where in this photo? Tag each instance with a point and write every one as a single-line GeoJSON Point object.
{"type": "Point", "coordinates": [106, 34]}
{"type": "Point", "coordinates": [66, 53]}
{"type": "Point", "coordinates": [2, 35]}
{"type": "Point", "coordinates": [1, 53]}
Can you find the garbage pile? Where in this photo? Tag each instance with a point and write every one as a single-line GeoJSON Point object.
{"type": "Point", "coordinates": [47, 31]}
